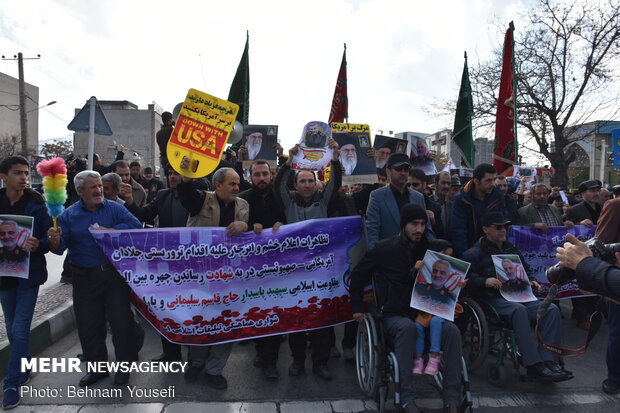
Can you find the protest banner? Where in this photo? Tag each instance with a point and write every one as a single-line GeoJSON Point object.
{"type": "Point", "coordinates": [14, 233]}
{"type": "Point", "coordinates": [354, 144]}
{"type": "Point", "coordinates": [314, 154]}
{"type": "Point", "coordinates": [201, 133]}
{"type": "Point", "coordinates": [539, 248]}
{"type": "Point", "coordinates": [438, 284]}
{"type": "Point", "coordinates": [200, 286]}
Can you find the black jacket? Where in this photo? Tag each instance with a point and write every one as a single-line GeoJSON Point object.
{"type": "Point", "coordinates": [264, 210]}
{"type": "Point", "coordinates": [482, 267]}
{"type": "Point", "coordinates": [392, 260]}
{"type": "Point", "coordinates": [599, 277]}
{"type": "Point", "coordinates": [581, 211]}
{"type": "Point", "coordinates": [166, 206]}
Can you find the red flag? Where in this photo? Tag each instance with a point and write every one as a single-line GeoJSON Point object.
{"type": "Point", "coordinates": [505, 154]}
{"type": "Point", "coordinates": [340, 103]}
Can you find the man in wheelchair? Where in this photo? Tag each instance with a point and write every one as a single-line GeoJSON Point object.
{"type": "Point", "coordinates": [483, 285]}
{"type": "Point", "coordinates": [391, 263]}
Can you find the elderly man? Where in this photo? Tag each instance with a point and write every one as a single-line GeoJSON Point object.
{"type": "Point", "coordinates": [307, 202]}
{"type": "Point", "coordinates": [18, 296]}
{"type": "Point", "coordinates": [122, 169]}
{"type": "Point", "coordinates": [437, 290]}
{"type": "Point", "coordinates": [111, 187]}
{"type": "Point", "coordinates": [348, 158]}
{"type": "Point", "coordinates": [253, 143]}
{"type": "Point", "coordinates": [221, 208]}
{"type": "Point", "coordinates": [389, 264]}
{"type": "Point", "coordinates": [100, 293]}
{"type": "Point", "coordinates": [484, 284]}
{"type": "Point", "coordinates": [539, 214]}
{"type": "Point", "coordinates": [382, 154]}
{"type": "Point", "coordinates": [385, 203]}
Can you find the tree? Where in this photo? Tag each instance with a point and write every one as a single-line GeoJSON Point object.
{"type": "Point", "coordinates": [10, 145]}
{"type": "Point", "coordinates": [565, 54]}
{"type": "Point", "coordinates": [56, 148]}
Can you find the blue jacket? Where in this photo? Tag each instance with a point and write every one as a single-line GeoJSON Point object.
{"type": "Point", "coordinates": [35, 207]}
{"type": "Point", "coordinates": [468, 211]}
{"type": "Point", "coordinates": [384, 217]}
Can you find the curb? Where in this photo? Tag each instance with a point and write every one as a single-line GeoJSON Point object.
{"type": "Point", "coordinates": [44, 332]}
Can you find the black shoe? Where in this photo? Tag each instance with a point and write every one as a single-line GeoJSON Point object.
{"type": "Point", "coordinates": [611, 386]}
{"type": "Point", "coordinates": [257, 362]}
{"type": "Point", "coordinates": [192, 373]}
{"type": "Point", "coordinates": [540, 372]}
{"type": "Point", "coordinates": [217, 381]}
{"type": "Point", "coordinates": [270, 372]}
{"type": "Point", "coordinates": [92, 378]}
{"type": "Point", "coordinates": [322, 371]}
{"type": "Point", "coordinates": [121, 379]}
{"type": "Point", "coordinates": [167, 357]}
{"type": "Point", "coordinates": [556, 368]}
{"type": "Point", "coordinates": [411, 408]}
{"type": "Point", "coordinates": [296, 368]}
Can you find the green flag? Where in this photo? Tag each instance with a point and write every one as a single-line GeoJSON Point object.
{"type": "Point", "coordinates": [240, 87]}
{"type": "Point", "coordinates": [462, 133]}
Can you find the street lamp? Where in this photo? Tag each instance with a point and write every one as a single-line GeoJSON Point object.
{"type": "Point", "coordinates": [41, 107]}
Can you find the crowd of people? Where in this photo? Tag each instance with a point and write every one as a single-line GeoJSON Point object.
{"type": "Point", "coordinates": [406, 213]}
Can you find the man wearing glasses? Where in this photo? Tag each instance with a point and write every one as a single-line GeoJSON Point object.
{"type": "Point", "coordinates": [418, 182]}
{"type": "Point", "coordinates": [483, 284]}
{"type": "Point", "coordinates": [385, 203]}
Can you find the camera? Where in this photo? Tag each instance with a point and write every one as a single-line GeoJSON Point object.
{"type": "Point", "coordinates": [561, 275]}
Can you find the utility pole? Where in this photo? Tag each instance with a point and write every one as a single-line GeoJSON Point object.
{"type": "Point", "coordinates": [23, 118]}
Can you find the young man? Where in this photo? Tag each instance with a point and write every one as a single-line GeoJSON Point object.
{"type": "Point", "coordinates": [17, 295]}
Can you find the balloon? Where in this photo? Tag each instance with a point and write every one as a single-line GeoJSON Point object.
{"type": "Point", "coordinates": [237, 133]}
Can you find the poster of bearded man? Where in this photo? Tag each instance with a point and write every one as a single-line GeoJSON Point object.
{"type": "Point", "coordinates": [515, 282]}
{"type": "Point", "coordinates": [384, 146]}
{"type": "Point", "coordinates": [259, 142]}
{"type": "Point", "coordinates": [354, 143]}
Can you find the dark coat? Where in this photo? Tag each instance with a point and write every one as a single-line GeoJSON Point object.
{"type": "Point", "coordinates": [581, 211]}
{"type": "Point", "coordinates": [528, 215]}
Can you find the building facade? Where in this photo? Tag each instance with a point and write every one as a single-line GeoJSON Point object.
{"type": "Point", "coordinates": [10, 114]}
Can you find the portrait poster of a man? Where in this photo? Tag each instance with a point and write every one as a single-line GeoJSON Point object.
{"type": "Point", "coordinates": [358, 167]}
{"type": "Point", "coordinates": [259, 142]}
{"type": "Point", "coordinates": [421, 156]}
{"type": "Point", "coordinates": [515, 282]}
{"type": "Point", "coordinates": [14, 256]}
{"type": "Point", "coordinates": [314, 154]}
{"type": "Point", "coordinates": [384, 146]}
{"type": "Point", "coordinates": [438, 284]}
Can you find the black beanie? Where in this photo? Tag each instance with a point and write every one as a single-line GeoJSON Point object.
{"type": "Point", "coordinates": [411, 212]}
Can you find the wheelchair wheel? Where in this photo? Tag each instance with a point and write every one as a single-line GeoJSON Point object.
{"type": "Point", "coordinates": [367, 357]}
{"type": "Point", "coordinates": [496, 374]}
{"type": "Point", "coordinates": [381, 398]}
{"type": "Point", "coordinates": [475, 334]}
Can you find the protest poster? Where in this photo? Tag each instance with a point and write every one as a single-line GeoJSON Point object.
{"type": "Point", "coordinates": [260, 141]}
{"type": "Point", "coordinates": [539, 248]}
{"type": "Point", "coordinates": [527, 175]}
{"type": "Point", "coordinates": [197, 285]}
{"type": "Point", "coordinates": [314, 154]}
{"type": "Point", "coordinates": [384, 146]}
{"type": "Point", "coordinates": [438, 284]}
{"type": "Point", "coordinates": [354, 143]}
{"type": "Point", "coordinates": [515, 282]}
{"type": "Point", "coordinates": [14, 233]}
{"type": "Point", "coordinates": [201, 133]}
{"type": "Point", "coordinates": [421, 156]}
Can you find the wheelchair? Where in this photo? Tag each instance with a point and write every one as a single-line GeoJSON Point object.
{"type": "Point", "coordinates": [377, 367]}
{"type": "Point", "coordinates": [486, 332]}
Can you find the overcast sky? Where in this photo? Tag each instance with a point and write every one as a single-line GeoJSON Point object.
{"type": "Point", "coordinates": [402, 55]}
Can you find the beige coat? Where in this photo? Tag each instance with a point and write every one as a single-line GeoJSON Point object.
{"type": "Point", "coordinates": [209, 215]}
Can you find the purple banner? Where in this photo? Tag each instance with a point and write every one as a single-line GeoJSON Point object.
{"type": "Point", "coordinates": [539, 248]}
{"type": "Point", "coordinates": [200, 286]}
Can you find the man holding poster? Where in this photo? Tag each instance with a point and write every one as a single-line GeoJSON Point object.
{"type": "Point", "coordinates": [222, 208]}
{"type": "Point", "coordinates": [18, 296]}
{"type": "Point", "coordinates": [483, 284]}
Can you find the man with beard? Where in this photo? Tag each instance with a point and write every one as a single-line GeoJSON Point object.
{"type": "Point", "coordinates": [437, 290]}
{"type": "Point", "coordinates": [315, 137]}
{"type": "Point", "coordinates": [253, 144]}
{"type": "Point", "coordinates": [390, 263]}
{"type": "Point", "coordinates": [265, 212]}
{"type": "Point", "coordinates": [10, 252]}
{"type": "Point", "coordinates": [308, 202]}
{"type": "Point", "coordinates": [348, 158]}
{"type": "Point", "coordinates": [417, 182]}
{"type": "Point", "coordinates": [151, 184]}
{"type": "Point", "coordinates": [122, 169]}
{"type": "Point", "coordinates": [382, 154]}
{"type": "Point", "coordinates": [511, 206]}
{"type": "Point", "coordinates": [112, 187]}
